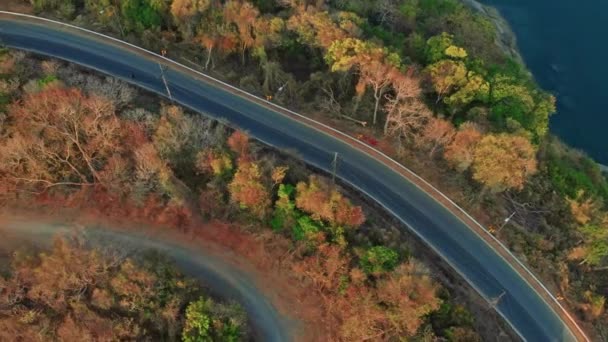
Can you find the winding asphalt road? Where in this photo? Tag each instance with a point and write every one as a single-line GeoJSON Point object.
{"type": "Point", "coordinates": [222, 278]}
{"type": "Point", "coordinates": [527, 311]}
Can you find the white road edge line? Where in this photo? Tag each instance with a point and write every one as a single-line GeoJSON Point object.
{"type": "Point", "coordinates": [170, 61]}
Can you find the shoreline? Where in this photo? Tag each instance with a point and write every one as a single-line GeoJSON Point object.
{"type": "Point", "coordinates": [505, 37]}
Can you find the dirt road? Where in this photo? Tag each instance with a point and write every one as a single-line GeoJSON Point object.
{"type": "Point", "coordinates": [223, 278]}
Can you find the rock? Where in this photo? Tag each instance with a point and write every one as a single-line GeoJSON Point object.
{"type": "Point", "coordinates": [505, 39]}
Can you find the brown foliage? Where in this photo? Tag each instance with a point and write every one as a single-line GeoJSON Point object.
{"type": "Point", "coordinates": [437, 133]}
{"type": "Point", "coordinates": [62, 275]}
{"type": "Point", "coordinates": [405, 93]}
{"type": "Point", "coordinates": [379, 76]}
{"type": "Point", "coordinates": [60, 137]}
{"type": "Point", "coordinates": [583, 208]}
{"type": "Point", "coordinates": [214, 162]}
{"type": "Point", "coordinates": [278, 174]}
{"type": "Point", "coordinates": [323, 203]}
{"type": "Point", "coordinates": [358, 311]}
{"type": "Point", "coordinates": [459, 153]}
{"type": "Point", "coordinates": [7, 63]}
{"type": "Point", "coordinates": [406, 119]}
{"type": "Point", "coordinates": [212, 203]}
{"type": "Point", "coordinates": [116, 175]}
{"type": "Point", "coordinates": [76, 294]}
{"type": "Point", "coordinates": [85, 325]}
{"type": "Point", "coordinates": [243, 15]}
{"type": "Point", "coordinates": [173, 134]}
{"type": "Point", "coordinates": [409, 294]}
{"type": "Point", "coordinates": [175, 215]}
{"type": "Point", "coordinates": [239, 143]}
{"type": "Point", "coordinates": [325, 269]}
{"type": "Point", "coordinates": [184, 10]}
{"type": "Point", "coordinates": [248, 190]}
{"type": "Point", "coordinates": [49, 67]}
{"type": "Point", "coordinates": [13, 330]}
{"type": "Point", "coordinates": [135, 134]}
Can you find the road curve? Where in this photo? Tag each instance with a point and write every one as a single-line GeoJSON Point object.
{"type": "Point", "coordinates": [530, 311]}
{"type": "Point", "coordinates": [222, 278]}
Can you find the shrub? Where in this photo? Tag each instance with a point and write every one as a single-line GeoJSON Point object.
{"type": "Point", "coordinates": [378, 260]}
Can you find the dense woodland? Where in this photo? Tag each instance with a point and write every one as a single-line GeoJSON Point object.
{"type": "Point", "coordinates": [77, 293]}
{"type": "Point", "coordinates": [432, 88]}
{"type": "Point", "coordinates": [70, 138]}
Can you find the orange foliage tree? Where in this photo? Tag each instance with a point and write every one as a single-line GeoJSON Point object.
{"type": "Point", "coordinates": [392, 308]}
{"type": "Point", "coordinates": [248, 190]}
{"type": "Point", "coordinates": [408, 294]}
{"type": "Point", "coordinates": [323, 203]}
{"type": "Point", "coordinates": [239, 143]}
{"type": "Point", "coordinates": [243, 15]}
{"type": "Point", "coordinates": [71, 293]}
{"type": "Point", "coordinates": [437, 133]}
{"type": "Point", "coordinates": [459, 152]}
{"type": "Point", "coordinates": [326, 268]}
{"type": "Point", "coordinates": [60, 137]}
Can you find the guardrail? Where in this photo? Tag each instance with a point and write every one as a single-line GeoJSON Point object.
{"type": "Point", "coordinates": [366, 148]}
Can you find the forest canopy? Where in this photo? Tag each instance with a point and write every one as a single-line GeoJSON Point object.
{"type": "Point", "coordinates": [76, 293]}
{"type": "Point", "coordinates": [425, 81]}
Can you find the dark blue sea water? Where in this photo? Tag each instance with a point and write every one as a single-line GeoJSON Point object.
{"type": "Point", "coordinates": [565, 45]}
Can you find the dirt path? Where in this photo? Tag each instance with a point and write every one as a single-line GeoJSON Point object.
{"type": "Point", "coordinates": [223, 277]}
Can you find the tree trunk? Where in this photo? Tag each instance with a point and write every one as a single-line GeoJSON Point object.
{"type": "Point", "coordinates": [433, 150]}
{"type": "Point", "coordinates": [439, 97]}
{"type": "Point", "coordinates": [386, 123]}
{"type": "Point", "coordinates": [243, 48]}
{"type": "Point", "coordinates": [209, 51]}
{"type": "Point", "coordinates": [377, 96]}
{"type": "Point", "coordinates": [356, 107]}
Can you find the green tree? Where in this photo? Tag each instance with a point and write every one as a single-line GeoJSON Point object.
{"type": "Point", "coordinates": [513, 96]}
{"type": "Point", "coordinates": [285, 213]}
{"type": "Point", "coordinates": [379, 260]}
{"type": "Point", "coordinates": [64, 8]}
{"type": "Point", "coordinates": [474, 88]}
{"type": "Point", "coordinates": [198, 322]}
{"type": "Point", "coordinates": [306, 229]}
{"type": "Point", "coordinates": [442, 47]}
{"type": "Point", "coordinates": [595, 247]}
{"type": "Point", "coordinates": [447, 76]}
{"type": "Point", "coordinates": [207, 321]}
{"type": "Point", "coordinates": [140, 15]}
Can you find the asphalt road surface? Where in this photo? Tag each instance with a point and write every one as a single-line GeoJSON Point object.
{"type": "Point", "coordinates": [469, 254]}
